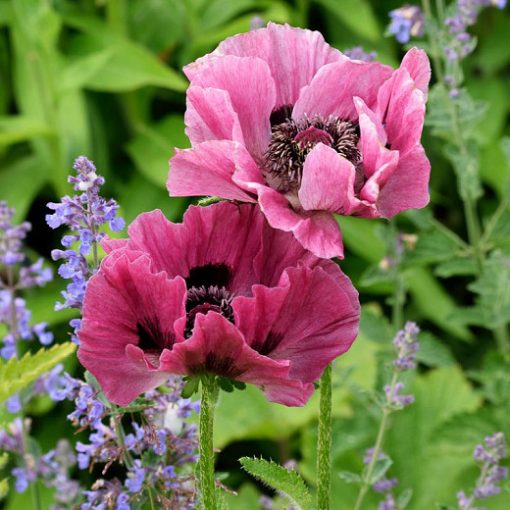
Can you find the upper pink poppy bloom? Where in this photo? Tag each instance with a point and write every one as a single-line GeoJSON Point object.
{"type": "Point", "coordinates": [222, 293]}
{"type": "Point", "coordinates": [277, 116]}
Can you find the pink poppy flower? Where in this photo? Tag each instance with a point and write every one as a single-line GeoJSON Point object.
{"type": "Point", "coordinates": [277, 116]}
{"type": "Point", "coordinates": [222, 293]}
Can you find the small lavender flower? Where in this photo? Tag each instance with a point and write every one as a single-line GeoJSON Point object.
{"type": "Point", "coordinates": [11, 236]}
{"type": "Point", "coordinates": [358, 53]}
{"type": "Point", "coordinates": [406, 22]}
{"type": "Point", "coordinates": [407, 346]}
{"type": "Point", "coordinates": [394, 398]}
{"type": "Point", "coordinates": [488, 456]}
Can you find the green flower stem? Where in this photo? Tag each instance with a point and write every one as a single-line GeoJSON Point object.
{"type": "Point", "coordinates": [206, 478]}
{"type": "Point", "coordinates": [378, 443]}
{"type": "Point", "coordinates": [34, 488]}
{"type": "Point", "coordinates": [324, 442]}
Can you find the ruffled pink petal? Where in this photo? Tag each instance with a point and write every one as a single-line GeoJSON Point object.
{"type": "Point", "coordinates": [218, 347]}
{"type": "Point", "coordinates": [294, 55]}
{"type": "Point", "coordinates": [328, 182]}
{"type": "Point", "coordinates": [296, 323]}
{"type": "Point", "coordinates": [317, 232]}
{"type": "Point", "coordinates": [109, 244]}
{"type": "Point", "coordinates": [408, 186]}
{"type": "Point", "coordinates": [249, 83]}
{"type": "Point", "coordinates": [207, 169]}
{"type": "Point", "coordinates": [405, 112]}
{"type": "Point", "coordinates": [210, 116]}
{"type": "Point", "coordinates": [122, 297]}
{"type": "Point", "coordinates": [333, 88]}
{"type": "Point", "coordinates": [417, 64]}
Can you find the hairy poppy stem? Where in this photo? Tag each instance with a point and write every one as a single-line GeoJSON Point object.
{"type": "Point", "coordinates": [324, 442]}
{"type": "Point", "coordinates": [206, 461]}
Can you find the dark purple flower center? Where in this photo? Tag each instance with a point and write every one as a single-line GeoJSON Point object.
{"type": "Point", "coordinates": [292, 140]}
{"type": "Point", "coordinates": [207, 299]}
{"type": "Point", "coordinates": [152, 339]}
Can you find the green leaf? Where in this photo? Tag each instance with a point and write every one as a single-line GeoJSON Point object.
{"type": "Point", "coordinates": [459, 266]}
{"type": "Point", "coordinates": [493, 289]}
{"type": "Point", "coordinates": [190, 387]}
{"type": "Point", "coordinates": [17, 128]}
{"type": "Point", "coordinates": [16, 374]}
{"type": "Point", "coordinates": [467, 168]}
{"type": "Point", "coordinates": [404, 498]}
{"type": "Point", "coordinates": [287, 482]}
{"type": "Point", "coordinates": [432, 247]}
{"type": "Point", "coordinates": [433, 352]}
{"type": "Point", "coordinates": [20, 182]}
{"type": "Point", "coordinates": [350, 477]}
{"type": "Point", "coordinates": [364, 23]}
{"type": "Point", "coordinates": [363, 237]}
{"type": "Point", "coordinates": [154, 146]}
{"type": "Point", "coordinates": [4, 488]}
{"type": "Point", "coordinates": [434, 302]}
{"type": "Point", "coordinates": [380, 468]}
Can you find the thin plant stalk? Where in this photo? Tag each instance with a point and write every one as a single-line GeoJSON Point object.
{"type": "Point", "coordinates": [383, 426]}
{"type": "Point", "coordinates": [324, 442]}
{"type": "Point", "coordinates": [206, 478]}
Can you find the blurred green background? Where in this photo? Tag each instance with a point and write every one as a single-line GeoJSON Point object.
{"type": "Point", "coordinates": [103, 79]}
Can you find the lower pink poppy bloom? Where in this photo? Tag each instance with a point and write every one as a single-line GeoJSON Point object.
{"type": "Point", "coordinates": [277, 116]}
{"type": "Point", "coordinates": [221, 293]}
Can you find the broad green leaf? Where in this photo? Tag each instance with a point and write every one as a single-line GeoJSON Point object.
{"type": "Point", "coordinates": [363, 237]}
{"type": "Point", "coordinates": [246, 497]}
{"type": "Point", "coordinates": [16, 374]}
{"type": "Point", "coordinates": [431, 247]}
{"type": "Point", "coordinates": [433, 352]}
{"type": "Point", "coordinates": [154, 146]}
{"type": "Point", "coordinates": [287, 482]}
{"type": "Point", "coordinates": [18, 128]}
{"type": "Point", "coordinates": [363, 22]}
{"type": "Point", "coordinates": [21, 181]}
{"type": "Point", "coordinates": [493, 289]}
{"type": "Point", "coordinates": [433, 301]}
{"type": "Point", "coordinates": [219, 12]}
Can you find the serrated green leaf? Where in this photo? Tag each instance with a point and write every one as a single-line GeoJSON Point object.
{"type": "Point", "coordinates": [433, 352]}
{"type": "Point", "coordinates": [493, 289]}
{"type": "Point", "coordinates": [287, 482]}
{"type": "Point", "coordinates": [432, 247]}
{"type": "Point", "coordinates": [466, 164]}
{"type": "Point", "coordinates": [381, 466]}
{"type": "Point", "coordinates": [460, 266]}
{"type": "Point", "coordinates": [16, 374]}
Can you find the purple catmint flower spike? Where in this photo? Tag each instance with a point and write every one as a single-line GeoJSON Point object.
{"type": "Point", "coordinates": [85, 214]}
{"type": "Point", "coordinates": [488, 456]}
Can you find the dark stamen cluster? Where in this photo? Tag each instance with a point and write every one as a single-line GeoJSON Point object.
{"type": "Point", "coordinates": [292, 140]}
{"type": "Point", "coordinates": [204, 299]}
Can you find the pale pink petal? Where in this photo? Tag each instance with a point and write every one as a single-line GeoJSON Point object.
{"type": "Point", "coordinates": [404, 112]}
{"type": "Point", "coordinates": [328, 182]}
{"type": "Point", "coordinates": [417, 64]}
{"type": "Point", "coordinates": [408, 187]}
{"type": "Point", "coordinates": [218, 347]}
{"type": "Point", "coordinates": [249, 83]}
{"type": "Point", "coordinates": [317, 232]}
{"type": "Point", "coordinates": [206, 169]}
{"type": "Point", "coordinates": [210, 116]}
{"type": "Point", "coordinates": [294, 56]}
{"type": "Point", "coordinates": [128, 305]}
{"type": "Point", "coordinates": [305, 328]}
{"type": "Point", "coordinates": [333, 88]}
{"type": "Point", "coordinates": [109, 244]}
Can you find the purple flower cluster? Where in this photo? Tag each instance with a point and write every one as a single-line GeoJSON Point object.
{"type": "Point", "coordinates": [358, 53]}
{"type": "Point", "coordinates": [407, 346]}
{"type": "Point", "coordinates": [461, 43]}
{"type": "Point", "coordinates": [406, 22]}
{"type": "Point", "coordinates": [84, 214]}
{"type": "Point", "coordinates": [52, 468]}
{"type": "Point", "coordinates": [488, 456]}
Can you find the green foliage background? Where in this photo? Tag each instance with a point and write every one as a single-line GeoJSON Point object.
{"type": "Point", "coordinates": [103, 78]}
